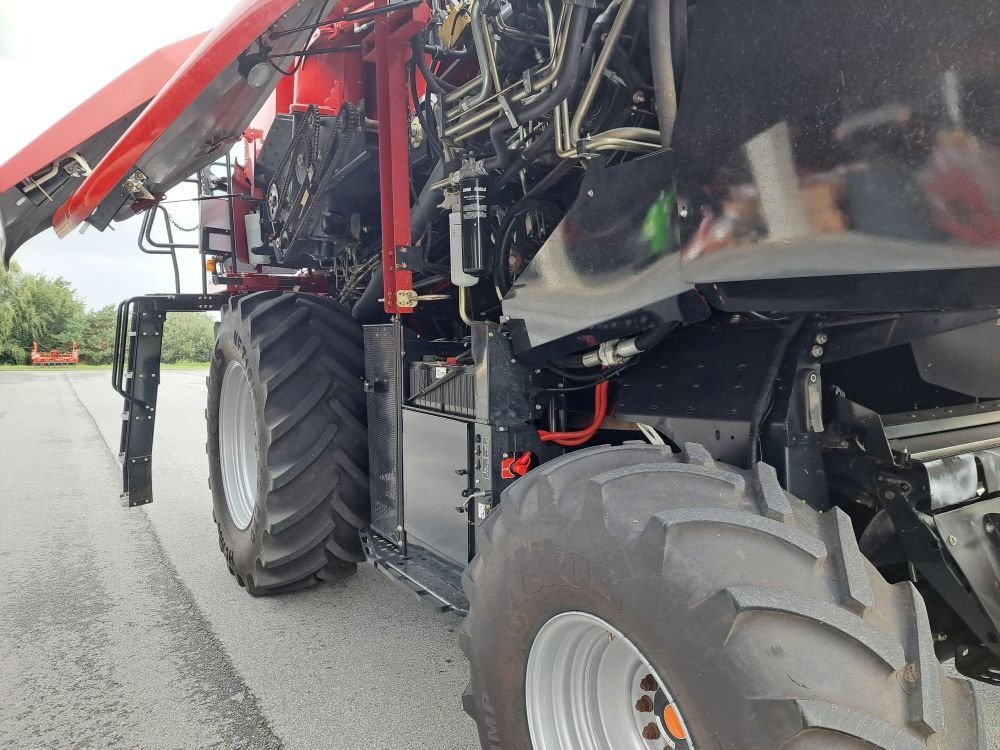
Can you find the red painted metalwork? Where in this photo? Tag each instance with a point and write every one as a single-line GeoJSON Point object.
{"type": "Point", "coordinates": [279, 103]}
{"type": "Point", "coordinates": [131, 89]}
{"type": "Point", "coordinates": [218, 50]}
{"type": "Point", "coordinates": [330, 79]}
{"type": "Point", "coordinates": [240, 209]}
{"type": "Point", "coordinates": [54, 356]}
{"type": "Point", "coordinates": [392, 32]}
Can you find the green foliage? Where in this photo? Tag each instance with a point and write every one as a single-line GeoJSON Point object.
{"type": "Point", "coordinates": [34, 307]}
{"type": "Point", "coordinates": [188, 337]}
{"type": "Point", "coordinates": [97, 342]}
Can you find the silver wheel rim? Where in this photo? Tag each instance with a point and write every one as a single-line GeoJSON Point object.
{"type": "Point", "coordinates": [585, 685]}
{"type": "Point", "coordinates": [238, 444]}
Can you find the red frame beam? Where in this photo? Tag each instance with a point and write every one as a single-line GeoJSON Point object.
{"type": "Point", "coordinates": [391, 50]}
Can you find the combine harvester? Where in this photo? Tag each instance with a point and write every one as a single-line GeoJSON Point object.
{"type": "Point", "coordinates": [657, 337]}
{"type": "Point", "coordinates": [54, 356]}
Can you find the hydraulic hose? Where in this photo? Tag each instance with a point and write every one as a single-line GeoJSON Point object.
{"type": "Point", "coordinates": [368, 308]}
{"type": "Point", "coordinates": [569, 70]}
{"type": "Point", "coordinates": [568, 74]}
{"type": "Point", "coordinates": [661, 58]}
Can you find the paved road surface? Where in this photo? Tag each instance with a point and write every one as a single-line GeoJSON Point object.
{"type": "Point", "coordinates": [122, 628]}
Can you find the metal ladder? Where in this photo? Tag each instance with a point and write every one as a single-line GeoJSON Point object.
{"type": "Point", "coordinates": [135, 375]}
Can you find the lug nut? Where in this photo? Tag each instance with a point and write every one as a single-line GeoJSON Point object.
{"type": "Point", "coordinates": [648, 683]}
{"type": "Point", "coordinates": [651, 732]}
{"type": "Point", "coordinates": [644, 705]}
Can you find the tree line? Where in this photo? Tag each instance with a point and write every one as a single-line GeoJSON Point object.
{"type": "Point", "coordinates": [35, 307]}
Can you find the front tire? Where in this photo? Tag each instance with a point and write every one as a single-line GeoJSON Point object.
{"type": "Point", "coordinates": [287, 440]}
{"type": "Point", "coordinates": [727, 615]}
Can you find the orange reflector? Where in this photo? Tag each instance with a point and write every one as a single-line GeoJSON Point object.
{"type": "Point", "coordinates": [672, 721]}
{"type": "Point", "coordinates": [210, 265]}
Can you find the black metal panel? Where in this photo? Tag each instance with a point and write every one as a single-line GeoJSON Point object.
{"type": "Point", "coordinates": [383, 383]}
{"type": "Point", "coordinates": [963, 360]}
{"type": "Point", "coordinates": [701, 385]}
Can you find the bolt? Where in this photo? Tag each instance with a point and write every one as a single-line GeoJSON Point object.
{"type": "Point", "coordinates": [538, 407]}
{"type": "Point", "coordinates": [813, 377]}
{"type": "Point", "coordinates": [638, 97]}
{"type": "Point", "coordinates": [590, 193]}
{"type": "Point", "coordinates": [651, 732]}
{"type": "Point", "coordinates": [817, 351]}
{"type": "Point", "coordinates": [644, 705]}
{"type": "Point", "coordinates": [648, 683]}
{"type": "Point", "coordinates": [822, 338]}
{"type": "Point", "coordinates": [990, 528]}
{"type": "Point", "coordinates": [952, 540]}
{"type": "Point", "coordinates": [889, 495]}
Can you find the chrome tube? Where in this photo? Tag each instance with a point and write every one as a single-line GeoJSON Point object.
{"type": "Point", "coordinates": [547, 73]}
{"type": "Point", "coordinates": [590, 90]}
{"type": "Point", "coordinates": [661, 57]}
{"type": "Point", "coordinates": [482, 53]}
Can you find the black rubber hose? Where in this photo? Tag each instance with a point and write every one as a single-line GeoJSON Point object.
{"type": "Point", "coordinates": [435, 84]}
{"type": "Point", "coordinates": [368, 309]}
{"type": "Point", "coordinates": [528, 155]}
{"type": "Point", "coordinates": [569, 71]}
{"type": "Point", "coordinates": [568, 75]}
{"type": "Point", "coordinates": [651, 338]}
{"type": "Point", "coordinates": [557, 173]}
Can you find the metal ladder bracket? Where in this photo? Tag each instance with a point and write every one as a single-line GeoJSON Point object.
{"type": "Point", "coordinates": [135, 375]}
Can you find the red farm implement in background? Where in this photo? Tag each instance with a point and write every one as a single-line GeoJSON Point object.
{"type": "Point", "coordinates": [54, 356]}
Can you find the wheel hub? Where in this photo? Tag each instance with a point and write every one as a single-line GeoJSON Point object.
{"type": "Point", "coordinates": [588, 687]}
{"type": "Point", "coordinates": [238, 444]}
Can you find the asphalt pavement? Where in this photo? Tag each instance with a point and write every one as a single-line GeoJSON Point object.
{"type": "Point", "coordinates": [121, 628]}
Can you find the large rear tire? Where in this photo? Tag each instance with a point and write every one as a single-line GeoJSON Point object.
{"type": "Point", "coordinates": [724, 611]}
{"type": "Point", "coordinates": [287, 441]}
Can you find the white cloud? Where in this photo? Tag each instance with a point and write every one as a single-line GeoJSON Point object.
{"type": "Point", "coordinates": [54, 54]}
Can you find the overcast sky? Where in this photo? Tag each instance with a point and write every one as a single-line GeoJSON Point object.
{"type": "Point", "coordinates": [53, 55]}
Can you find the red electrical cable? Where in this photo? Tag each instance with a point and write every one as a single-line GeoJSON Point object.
{"type": "Point", "coordinates": [579, 437]}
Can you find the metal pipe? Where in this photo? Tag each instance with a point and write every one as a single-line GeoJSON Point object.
{"type": "Point", "coordinates": [479, 40]}
{"type": "Point", "coordinates": [491, 55]}
{"type": "Point", "coordinates": [661, 59]}
{"type": "Point", "coordinates": [590, 90]}
{"type": "Point", "coordinates": [547, 74]}
{"type": "Point", "coordinates": [463, 295]}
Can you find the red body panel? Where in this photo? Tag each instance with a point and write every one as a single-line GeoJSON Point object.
{"type": "Point", "coordinates": [137, 85]}
{"type": "Point", "coordinates": [216, 52]}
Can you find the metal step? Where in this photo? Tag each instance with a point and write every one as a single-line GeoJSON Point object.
{"type": "Point", "coordinates": [421, 574]}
